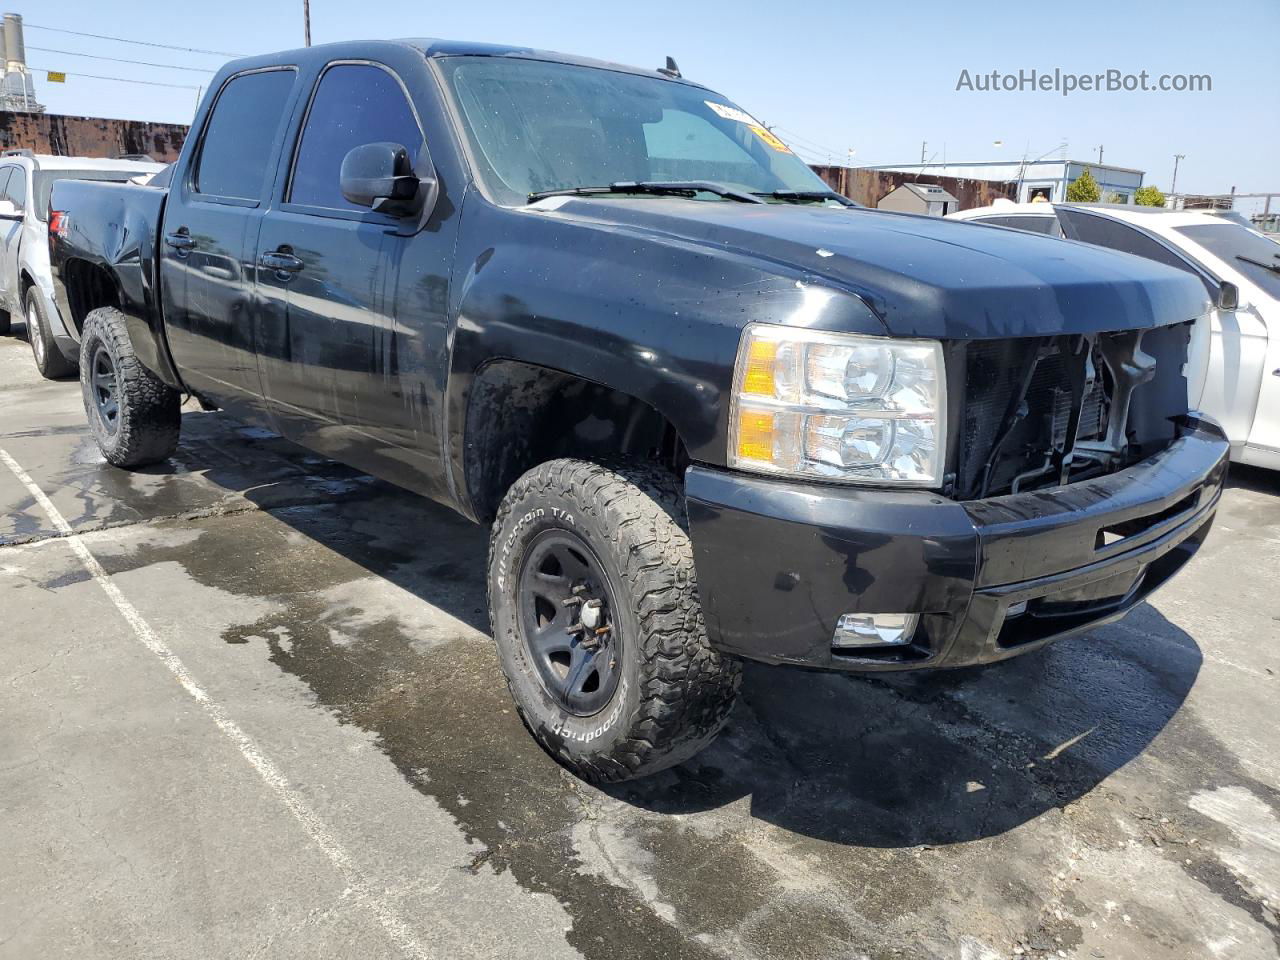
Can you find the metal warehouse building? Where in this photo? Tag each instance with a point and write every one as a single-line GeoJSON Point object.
{"type": "Point", "coordinates": [1047, 178]}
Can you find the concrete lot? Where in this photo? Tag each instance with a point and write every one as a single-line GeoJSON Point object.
{"type": "Point", "coordinates": [250, 709]}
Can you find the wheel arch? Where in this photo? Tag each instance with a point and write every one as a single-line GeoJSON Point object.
{"type": "Point", "coordinates": [89, 285]}
{"type": "Point", "coordinates": [519, 414]}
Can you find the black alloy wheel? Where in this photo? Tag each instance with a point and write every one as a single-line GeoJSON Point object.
{"type": "Point", "coordinates": [567, 614]}
{"type": "Point", "coordinates": [105, 387]}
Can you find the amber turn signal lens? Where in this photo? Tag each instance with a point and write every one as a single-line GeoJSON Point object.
{"type": "Point", "coordinates": [755, 436]}
{"type": "Point", "coordinates": [758, 376]}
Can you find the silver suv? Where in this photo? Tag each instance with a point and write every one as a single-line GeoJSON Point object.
{"type": "Point", "coordinates": [26, 287]}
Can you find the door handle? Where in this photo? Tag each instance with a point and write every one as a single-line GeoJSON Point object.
{"type": "Point", "coordinates": [179, 241]}
{"type": "Point", "coordinates": [283, 264]}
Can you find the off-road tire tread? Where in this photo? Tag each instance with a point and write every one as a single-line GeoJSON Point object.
{"type": "Point", "coordinates": [688, 688]}
{"type": "Point", "coordinates": [55, 366]}
{"type": "Point", "coordinates": [150, 410]}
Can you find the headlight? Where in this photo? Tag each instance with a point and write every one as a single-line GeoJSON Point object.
{"type": "Point", "coordinates": [839, 407]}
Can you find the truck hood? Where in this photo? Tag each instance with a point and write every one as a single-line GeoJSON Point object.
{"type": "Point", "coordinates": [923, 276]}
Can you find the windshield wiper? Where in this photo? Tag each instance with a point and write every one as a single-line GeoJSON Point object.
{"type": "Point", "coordinates": [804, 196]}
{"type": "Point", "coordinates": [672, 188]}
{"type": "Point", "coordinates": [1273, 267]}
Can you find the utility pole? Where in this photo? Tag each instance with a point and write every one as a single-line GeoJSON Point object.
{"type": "Point", "coordinates": [306, 21]}
{"type": "Point", "coordinates": [923, 144]}
{"type": "Point", "coordinates": [1100, 154]}
{"type": "Point", "coordinates": [1173, 187]}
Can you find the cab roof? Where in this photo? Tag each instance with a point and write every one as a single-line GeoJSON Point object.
{"type": "Point", "coordinates": [435, 48]}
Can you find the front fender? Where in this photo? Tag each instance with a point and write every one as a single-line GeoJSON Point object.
{"type": "Point", "coordinates": [656, 318]}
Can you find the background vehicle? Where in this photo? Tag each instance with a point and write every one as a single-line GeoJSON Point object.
{"type": "Point", "coordinates": [1238, 380]}
{"type": "Point", "coordinates": [26, 288]}
{"type": "Point", "coordinates": [710, 409]}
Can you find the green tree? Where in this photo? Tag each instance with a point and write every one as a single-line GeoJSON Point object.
{"type": "Point", "coordinates": [1084, 189]}
{"type": "Point", "coordinates": [1148, 197]}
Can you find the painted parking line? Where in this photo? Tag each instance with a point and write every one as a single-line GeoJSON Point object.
{"type": "Point", "coordinates": [359, 885]}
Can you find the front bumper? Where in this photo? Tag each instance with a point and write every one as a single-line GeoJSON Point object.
{"type": "Point", "coordinates": [778, 562]}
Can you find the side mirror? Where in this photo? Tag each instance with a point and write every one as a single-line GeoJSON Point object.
{"type": "Point", "coordinates": [8, 211]}
{"type": "Point", "coordinates": [380, 176]}
{"type": "Point", "coordinates": [1228, 296]}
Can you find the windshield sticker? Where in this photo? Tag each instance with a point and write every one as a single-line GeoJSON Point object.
{"type": "Point", "coordinates": [768, 138]}
{"type": "Point", "coordinates": [732, 113]}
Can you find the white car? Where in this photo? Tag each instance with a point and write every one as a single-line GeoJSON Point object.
{"type": "Point", "coordinates": [26, 286]}
{"type": "Point", "coordinates": [1238, 381]}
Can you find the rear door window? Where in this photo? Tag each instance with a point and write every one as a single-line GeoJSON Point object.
{"type": "Point", "coordinates": [354, 104]}
{"type": "Point", "coordinates": [1046, 225]}
{"type": "Point", "coordinates": [236, 151]}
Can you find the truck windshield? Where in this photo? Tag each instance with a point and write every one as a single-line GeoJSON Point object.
{"type": "Point", "coordinates": [46, 178]}
{"type": "Point", "coordinates": [535, 126]}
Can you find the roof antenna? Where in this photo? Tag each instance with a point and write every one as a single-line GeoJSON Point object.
{"type": "Point", "coordinates": [670, 70]}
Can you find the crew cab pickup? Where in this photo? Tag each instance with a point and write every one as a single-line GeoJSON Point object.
{"type": "Point", "coordinates": [710, 409]}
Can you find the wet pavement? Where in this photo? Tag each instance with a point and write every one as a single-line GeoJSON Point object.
{"type": "Point", "coordinates": [356, 783]}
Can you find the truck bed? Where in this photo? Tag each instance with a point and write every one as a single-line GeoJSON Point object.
{"type": "Point", "coordinates": [109, 234]}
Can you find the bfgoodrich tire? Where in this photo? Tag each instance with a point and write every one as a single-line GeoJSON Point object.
{"type": "Point", "coordinates": [49, 359]}
{"type": "Point", "coordinates": [594, 607]}
{"type": "Point", "coordinates": [133, 415]}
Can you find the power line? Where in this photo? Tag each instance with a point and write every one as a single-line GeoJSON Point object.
{"type": "Point", "coordinates": [141, 63]}
{"type": "Point", "coordinates": [95, 76]}
{"type": "Point", "coordinates": [791, 135]}
{"type": "Point", "coordinates": [141, 43]}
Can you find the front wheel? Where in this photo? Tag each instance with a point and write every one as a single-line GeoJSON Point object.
{"type": "Point", "coordinates": [593, 601]}
{"type": "Point", "coordinates": [134, 416]}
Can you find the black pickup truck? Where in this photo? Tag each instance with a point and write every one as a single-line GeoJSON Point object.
{"type": "Point", "coordinates": [711, 409]}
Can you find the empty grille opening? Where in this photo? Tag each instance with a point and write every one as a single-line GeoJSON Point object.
{"type": "Point", "coordinates": [1023, 396]}
{"type": "Point", "coordinates": [1129, 528]}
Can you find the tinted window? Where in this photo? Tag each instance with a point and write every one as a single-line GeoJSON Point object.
{"type": "Point", "coordinates": [4, 178]}
{"type": "Point", "coordinates": [354, 104]}
{"type": "Point", "coordinates": [1119, 236]}
{"type": "Point", "coordinates": [238, 138]}
{"type": "Point", "coordinates": [1045, 225]}
{"type": "Point", "coordinates": [16, 189]}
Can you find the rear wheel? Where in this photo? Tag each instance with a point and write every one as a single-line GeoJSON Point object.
{"type": "Point", "coordinates": [49, 359]}
{"type": "Point", "coordinates": [4, 323]}
{"type": "Point", "coordinates": [594, 606]}
{"type": "Point", "coordinates": [133, 415]}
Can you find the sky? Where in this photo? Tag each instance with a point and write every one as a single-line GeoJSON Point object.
{"type": "Point", "coordinates": [877, 79]}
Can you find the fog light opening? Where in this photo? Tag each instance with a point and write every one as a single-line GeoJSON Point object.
{"type": "Point", "coordinates": [855, 630]}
